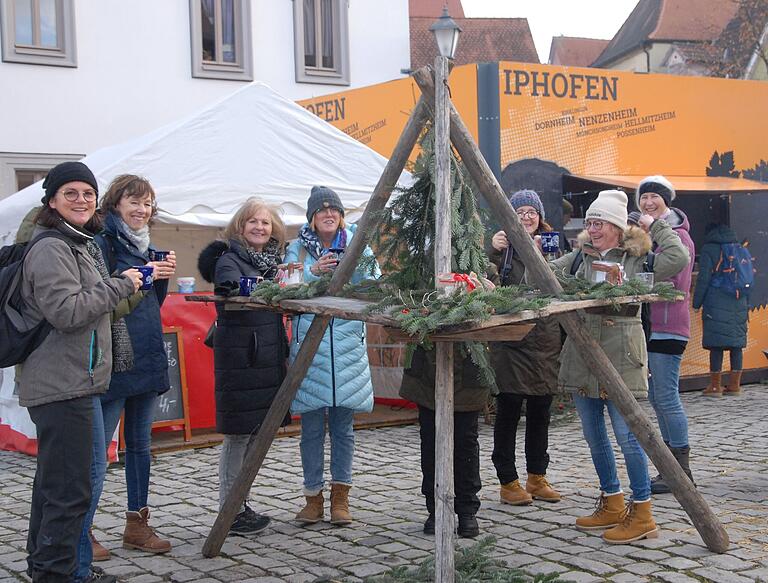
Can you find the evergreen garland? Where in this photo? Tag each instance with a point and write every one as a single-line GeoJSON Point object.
{"type": "Point", "coordinates": [472, 564]}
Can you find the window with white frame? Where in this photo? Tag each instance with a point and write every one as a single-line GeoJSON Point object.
{"type": "Point", "coordinates": [221, 39]}
{"type": "Point", "coordinates": [38, 32]}
{"type": "Point", "coordinates": [19, 170]}
{"type": "Point", "coordinates": [321, 39]}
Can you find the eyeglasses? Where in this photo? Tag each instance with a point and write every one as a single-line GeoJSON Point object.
{"type": "Point", "coordinates": [527, 214]}
{"type": "Point", "coordinates": [73, 195]}
{"type": "Point", "coordinates": [594, 225]}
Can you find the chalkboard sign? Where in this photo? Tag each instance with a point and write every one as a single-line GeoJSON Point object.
{"type": "Point", "coordinates": [172, 408]}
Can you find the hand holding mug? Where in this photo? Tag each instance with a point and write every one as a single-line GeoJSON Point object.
{"type": "Point", "coordinates": [500, 241]}
{"type": "Point", "coordinates": [166, 268]}
{"type": "Point", "coordinates": [325, 264]}
{"type": "Point", "coordinates": [645, 222]}
{"type": "Point", "coordinates": [135, 276]}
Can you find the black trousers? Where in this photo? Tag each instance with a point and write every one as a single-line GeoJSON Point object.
{"type": "Point", "coordinates": [508, 408]}
{"type": "Point", "coordinates": [61, 492]}
{"type": "Point", "coordinates": [466, 460]}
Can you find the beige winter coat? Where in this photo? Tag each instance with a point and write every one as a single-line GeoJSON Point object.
{"type": "Point", "coordinates": [620, 334]}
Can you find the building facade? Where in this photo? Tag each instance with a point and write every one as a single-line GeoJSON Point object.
{"type": "Point", "coordinates": [79, 76]}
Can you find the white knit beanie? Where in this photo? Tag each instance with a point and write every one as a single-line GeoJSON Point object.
{"type": "Point", "coordinates": [657, 184]}
{"type": "Point", "coordinates": [609, 206]}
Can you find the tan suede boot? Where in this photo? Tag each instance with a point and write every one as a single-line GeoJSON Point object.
{"type": "Point", "coordinates": [538, 487]}
{"type": "Point", "coordinates": [513, 493]}
{"type": "Point", "coordinates": [340, 504]}
{"type": "Point", "coordinates": [313, 511]}
{"type": "Point", "coordinates": [637, 524]}
{"type": "Point", "coordinates": [607, 514]}
{"type": "Point", "coordinates": [139, 535]}
{"type": "Point", "coordinates": [734, 383]}
{"type": "Point", "coordinates": [99, 552]}
{"type": "Point", "coordinates": [714, 388]}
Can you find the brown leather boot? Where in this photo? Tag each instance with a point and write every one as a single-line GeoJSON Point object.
{"type": "Point", "coordinates": [637, 523]}
{"type": "Point", "coordinates": [313, 511]}
{"type": "Point", "coordinates": [714, 388]}
{"type": "Point", "coordinates": [608, 512]}
{"type": "Point", "coordinates": [340, 504]}
{"type": "Point", "coordinates": [734, 383]}
{"type": "Point", "coordinates": [99, 552]}
{"type": "Point", "coordinates": [139, 535]}
{"type": "Point", "coordinates": [538, 487]}
{"type": "Point", "coordinates": [513, 493]}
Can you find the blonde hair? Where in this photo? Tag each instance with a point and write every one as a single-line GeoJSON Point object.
{"type": "Point", "coordinates": [234, 230]}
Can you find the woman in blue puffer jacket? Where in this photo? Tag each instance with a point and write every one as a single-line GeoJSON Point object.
{"type": "Point", "coordinates": [338, 380]}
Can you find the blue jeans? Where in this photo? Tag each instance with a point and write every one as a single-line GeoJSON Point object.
{"type": "Point", "coordinates": [313, 447]}
{"type": "Point", "coordinates": [137, 428]}
{"type": "Point", "coordinates": [98, 471]}
{"type": "Point", "coordinates": [591, 413]}
{"type": "Point", "coordinates": [664, 395]}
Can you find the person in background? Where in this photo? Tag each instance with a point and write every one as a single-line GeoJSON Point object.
{"type": "Point", "coordinates": [620, 334]}
{"type": "Point", "coordinates": [527, 374]}
{"type": "Point", "coordinates": [61, 380]}
{"type": "Point", "coordinates": [338, 382]}
{"type": "Point", "coordinates": [724, 316]}
{"type": "Point", "coordinates": [140, 363]}
{"type": "Point", "coordinates": [567, 214]}
{"type": "Point", "coordinates": [670, 328]}
{"type": "Point", "coordinates": [250, 347]}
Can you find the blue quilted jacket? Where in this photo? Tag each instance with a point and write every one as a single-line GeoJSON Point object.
{"type": "Point", "coordinates": [339, 376]}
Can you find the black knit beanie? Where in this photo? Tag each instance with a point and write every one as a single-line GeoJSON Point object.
{"type": "Point", "coordinates": [320, 198]}
{"type": "Point", "coordinates": [66, 172]}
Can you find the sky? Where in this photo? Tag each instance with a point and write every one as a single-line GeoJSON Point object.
{"type": "Point", "coordinates": [548, 18]}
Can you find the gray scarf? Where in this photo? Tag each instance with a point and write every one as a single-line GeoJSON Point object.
{"type": "Point", "coordinates": [122, 350]}
{"type": "Point", "coordinates": [139, 238]}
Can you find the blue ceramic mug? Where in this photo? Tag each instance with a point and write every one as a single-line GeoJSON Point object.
{"type": "Point", "coordinates": [158, 255]}
{"type": "Point", "coordinates": [146, 276]}
{"type": "Point", "coordinates": [248, 283]}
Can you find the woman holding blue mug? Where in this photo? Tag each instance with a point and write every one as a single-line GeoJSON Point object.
{"type": "Point", "coordinates": [139, 363]}
{"type": "Point", "coordinates": [338, 382]}
{"type": "Point", "coordinates": [249, 347]}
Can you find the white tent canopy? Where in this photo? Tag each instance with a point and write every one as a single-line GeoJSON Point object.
{"type": "Point", "coordinates": [253, 142]}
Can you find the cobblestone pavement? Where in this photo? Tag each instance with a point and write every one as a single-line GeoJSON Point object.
{"type": "Point", "coordinates": [729, 461]}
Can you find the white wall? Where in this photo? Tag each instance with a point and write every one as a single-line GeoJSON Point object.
{"type": "Point", "coordinates": [134, 71]}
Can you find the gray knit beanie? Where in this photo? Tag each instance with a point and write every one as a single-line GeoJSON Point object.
{"type": "Point", "coordinates": [527, 197]}
{"type": "Point", "coordinates": [320, 198]}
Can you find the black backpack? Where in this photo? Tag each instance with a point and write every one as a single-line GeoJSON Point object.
{"type": "Point", "coordinates": [17, 339]}
{"type": "Point", "coordinates": [645, 308]}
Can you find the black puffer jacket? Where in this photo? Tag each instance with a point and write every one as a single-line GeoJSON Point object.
{"type": "Point", "coordinates": [250, 347]}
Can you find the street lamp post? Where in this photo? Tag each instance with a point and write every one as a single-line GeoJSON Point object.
{"type": "Point", "coordinates": [446, 33]}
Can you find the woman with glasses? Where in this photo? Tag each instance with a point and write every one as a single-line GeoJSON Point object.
{"type": "Point", "coordinates": [338, 382]}
{"type": "Point", "coordinates": [622, 251]}
{"type": "Point", "coordinates": [61, 380]}
{"type": "Point", "coordinates": [140, 363]}
{"type": "Point", "coordinates": [529, 374]}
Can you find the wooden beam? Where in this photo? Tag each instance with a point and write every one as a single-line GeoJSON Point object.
{"type": "Point", "coordinates": [296, 372]}
{"type": "Point", "coordinates": [445, 518]}
{"type": "Point", "coordinates": [710, 529]}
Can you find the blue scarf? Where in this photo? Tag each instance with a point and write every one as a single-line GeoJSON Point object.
{"type": "Point", "coordinates": [311, 242]}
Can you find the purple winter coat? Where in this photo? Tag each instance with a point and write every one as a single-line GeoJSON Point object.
{"type": "Point", "coordinates": [675, 317]}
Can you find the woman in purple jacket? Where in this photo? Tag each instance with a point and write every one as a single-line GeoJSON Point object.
{"type": "Point", "coordinates": [670, 330]}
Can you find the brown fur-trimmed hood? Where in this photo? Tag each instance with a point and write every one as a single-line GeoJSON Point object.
{"type": "Point", "coordinates": [636, 242]}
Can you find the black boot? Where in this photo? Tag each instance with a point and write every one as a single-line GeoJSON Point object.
{"type": "Point", "coordinates": [468, 527]}
{"type": "Point", "coordinates": [429, 524]}
{"type": "Point", "coordinates": [681, 455]}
